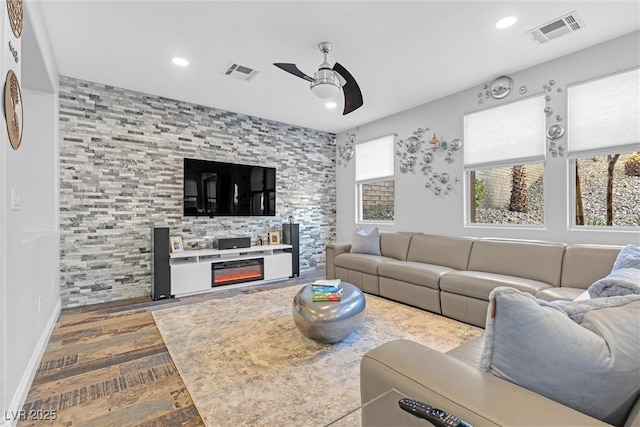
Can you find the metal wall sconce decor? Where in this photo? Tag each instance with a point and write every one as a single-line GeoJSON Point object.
{"type": "Point", "coordinates": [346, 150]}
{"type": "Point", "coordinates": [499, 88]}
{"type": "Point", "coordinates": [556, 131]}
{"type": "Point", "coordinates": [412, 146]}
{"type": "Point", "coordinates": [441, 184]}
{"type": "Point", "coordinates": [415, 151]}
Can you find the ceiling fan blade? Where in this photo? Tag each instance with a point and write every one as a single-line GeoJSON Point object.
{"type": "Point", "coordinates": [292, 69]}
{"type": "Point", "coordinates": [352, 95]}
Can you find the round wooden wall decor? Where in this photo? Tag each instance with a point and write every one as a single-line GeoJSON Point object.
{"type": "Point", "coordinates": [14, 10]}
{"type": "Point", "coordinates": [13, 109]}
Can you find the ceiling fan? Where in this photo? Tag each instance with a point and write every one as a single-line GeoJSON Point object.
{"type": "Point", "coordinates": [327, 81]}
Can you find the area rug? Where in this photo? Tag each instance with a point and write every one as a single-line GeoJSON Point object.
{"type": "Point", "coordinates": [246, 364]}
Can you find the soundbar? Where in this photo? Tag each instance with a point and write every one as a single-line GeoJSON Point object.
{"type": "Point", "coordinates": [234, 242]}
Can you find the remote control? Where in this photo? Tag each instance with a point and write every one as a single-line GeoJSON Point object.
{"type": "Point", "coordinates": [437, 417]}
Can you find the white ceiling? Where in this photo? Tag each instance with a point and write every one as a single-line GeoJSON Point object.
{"type": "Point", "coordinates": [403, 54]}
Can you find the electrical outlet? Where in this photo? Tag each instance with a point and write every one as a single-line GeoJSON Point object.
{"type": "Point", "coordinates": [39, 306]}
{"type": "Point", "coordinates": [53, 284]}
{"type": "Point", "coordinates": [15, 199]}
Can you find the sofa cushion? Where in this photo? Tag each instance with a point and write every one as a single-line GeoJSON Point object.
{"type": "Point", "coordinates": [527, 259]}
{"type": "Point", "coordinates": [366, 242]}
{"type": "Point", "coordinates": [592, 367]}
{"type": "Point", "coordinates": [416, 273]}
{"type": "Point", "coordinates": [477, 284]}
{"type": "Point", "coordinates": [450, 252]}
{"type": "Point", "coordinates": [584, 264]}
{"type": "Point", "coordinates": [363, 263]}
{"type": "Point", "coordinates": [395, 244]}
{"type": "Point", "coordinates": [559, 294]}
{"type": "Point", "coordinates": [470, 351]}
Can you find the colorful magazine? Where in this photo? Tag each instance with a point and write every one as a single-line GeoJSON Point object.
{"type": "Point", "coordinates": [334, 283]}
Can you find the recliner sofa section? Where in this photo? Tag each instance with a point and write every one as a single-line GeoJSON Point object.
{"type": "Point", "coordinates": [525, 265]}
{"type": "Point", "coordinates": [582, 265]}
{"type": "Point", "coordinates": [416, 281]}
{"type": "Point", "coordinates": [453, 276]}
{"type": "Point", "coordinates": [362, 269]}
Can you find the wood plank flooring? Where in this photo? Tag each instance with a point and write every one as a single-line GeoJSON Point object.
{"type": "Point", "coordinates": [107, 365]}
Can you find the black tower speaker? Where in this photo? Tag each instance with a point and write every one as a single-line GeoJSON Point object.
{"type": "Point", "coordinates": [160, 269]}
{"type": "Point", "coordinates": [291, 236]}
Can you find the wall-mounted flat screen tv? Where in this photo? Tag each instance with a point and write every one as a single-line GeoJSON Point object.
{"type": "Point", "coordinates": [228, 189]}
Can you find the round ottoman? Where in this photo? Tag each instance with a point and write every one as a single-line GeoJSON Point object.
{"type": "Point", "coordinates": [328, 321]}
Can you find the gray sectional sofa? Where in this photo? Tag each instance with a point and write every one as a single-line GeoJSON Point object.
{"type": "Point", "coordinates": [453, 276]}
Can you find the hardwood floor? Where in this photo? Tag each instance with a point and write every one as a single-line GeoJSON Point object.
{"type": "Point", "coordinates": [107, 365]}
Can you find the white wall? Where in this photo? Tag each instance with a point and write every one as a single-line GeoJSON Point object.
{"type": "Point", "coordinates": [29, 237]}
{"type": "Point", "coordinates": [418, 209]}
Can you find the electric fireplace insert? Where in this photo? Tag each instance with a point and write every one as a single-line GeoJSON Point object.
{"type": "Point", "coordinates": [228, 273]}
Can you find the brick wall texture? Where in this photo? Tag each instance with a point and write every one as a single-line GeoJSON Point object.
{"type": "Point", "coordinates": [378, 199]}
{"type": "Point", "coordinates": [121, 161]}
{"type": "Point", "coordinates": [498, 183]}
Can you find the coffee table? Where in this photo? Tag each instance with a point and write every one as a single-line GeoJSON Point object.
{"type": "Point", "coordinates": [328, 321]}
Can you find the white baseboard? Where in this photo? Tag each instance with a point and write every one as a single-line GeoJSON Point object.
{"type": "Point", "coordinates": [21, 393]}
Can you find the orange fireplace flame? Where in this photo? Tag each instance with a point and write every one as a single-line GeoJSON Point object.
{"type": "Point", "coordinates": [238, 277]}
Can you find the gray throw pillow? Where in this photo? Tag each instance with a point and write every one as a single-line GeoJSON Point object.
{"type": "Point", "coordinates": [592, 367]}
{"type": "Point", "coordinates": [364, 242]}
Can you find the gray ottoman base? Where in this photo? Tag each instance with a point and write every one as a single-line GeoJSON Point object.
{"type": "Point", "coordinates": [328, 321]}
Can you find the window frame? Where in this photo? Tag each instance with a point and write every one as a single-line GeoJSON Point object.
{"type": "Point", "coordinates": [358, 184]}
{"type": "Point", "coordinates": [541, 158]}
{"type": "Point", "coordinates": [467, 200]}
{"type": "Point", "coordinates": [571, 208]}
{"type": "Point", "coordinates": [573, 155]}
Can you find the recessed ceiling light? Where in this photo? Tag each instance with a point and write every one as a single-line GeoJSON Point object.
{"type": "Point", "coordinates": [506, 22]}
{"type": "Point", "coordinates": [331, 104]}
{"type": "Point", "coordinates": [181, 62]}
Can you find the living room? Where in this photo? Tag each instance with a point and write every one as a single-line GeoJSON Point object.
{"type": "Point", "coordinates": [108, 158]}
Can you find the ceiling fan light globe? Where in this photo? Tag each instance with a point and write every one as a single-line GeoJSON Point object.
{"type": "Point", "coordinates": [325, 90]}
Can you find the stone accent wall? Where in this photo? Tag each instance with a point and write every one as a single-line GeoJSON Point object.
{"type": "Point", "coordinates": [121, 173]}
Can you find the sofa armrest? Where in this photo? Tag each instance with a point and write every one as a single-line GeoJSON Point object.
{"type": "Point", "coordinates": [445, 382]}
{"type": "Point", "coordinates": [332, 250]}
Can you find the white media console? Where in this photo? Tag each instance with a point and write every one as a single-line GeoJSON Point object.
{"type": "Point", "coordinates": [198, 271]}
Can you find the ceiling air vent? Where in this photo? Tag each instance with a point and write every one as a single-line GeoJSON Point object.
{"type": "Point", "coordinates": [556, 28]}
{"type": "Point", "coordinates": [240, 72]}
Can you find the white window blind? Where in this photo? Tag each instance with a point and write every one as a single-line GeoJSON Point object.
{"type": "Point", "coordinates": [513, 133]}
{"type": "Point", "coordinates": [604, 114]}
{"type": "Point", "coordinates": [374, 159]}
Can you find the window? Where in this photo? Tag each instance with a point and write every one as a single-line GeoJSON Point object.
{"type": "Point", "coordinates": [375, 184]}
{"type": "Point", "coordinates": [604, 150]}
{"type": "Point", "coordinates": [504, 163]}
